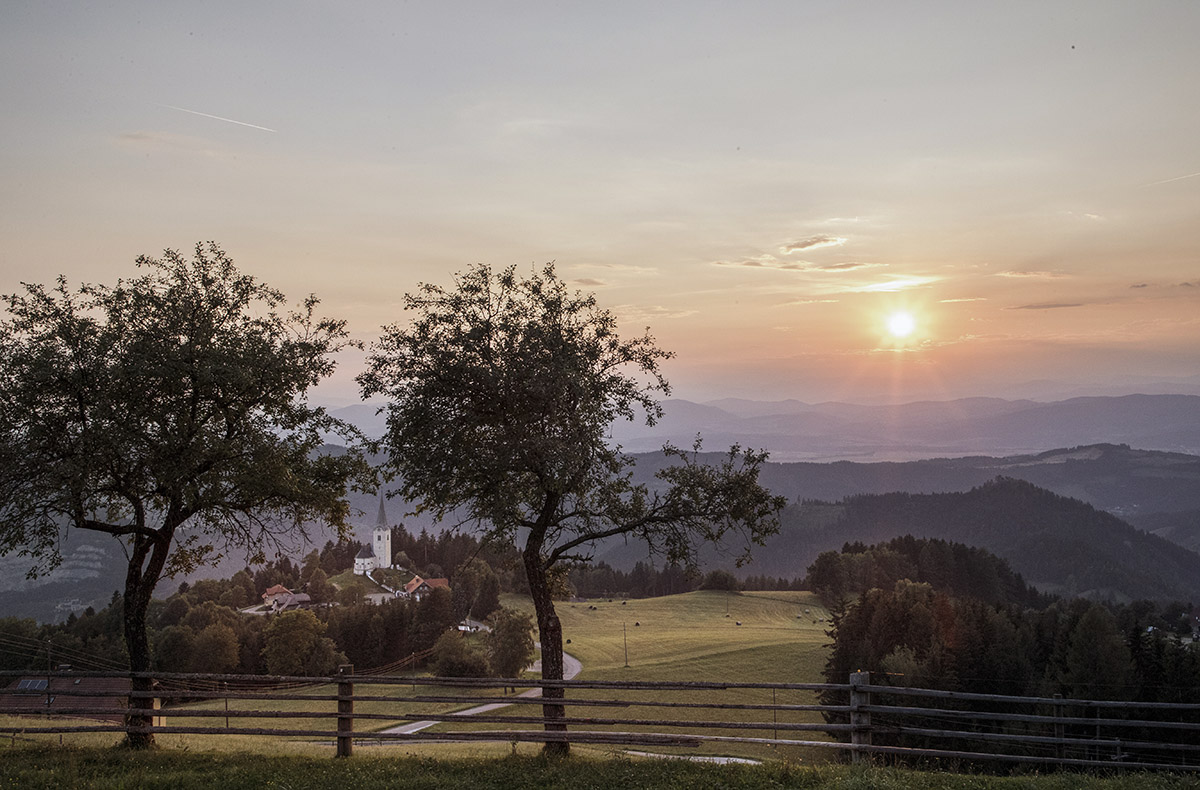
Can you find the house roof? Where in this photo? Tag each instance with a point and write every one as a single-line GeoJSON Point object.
{"type": "Point", "coordinates": [63, 693]}
{"type": "Point", "coordinates": [278, 589]}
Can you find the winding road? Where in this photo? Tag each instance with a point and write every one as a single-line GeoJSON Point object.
{"type": "Point", "coordinates": [571, 668]}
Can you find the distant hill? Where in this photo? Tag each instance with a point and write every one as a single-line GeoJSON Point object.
{"type": "Point", "coordinates": [1059, 545]}
{"type": "Point", "coordinates": [796, 431]}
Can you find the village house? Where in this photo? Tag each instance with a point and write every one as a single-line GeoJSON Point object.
{"type": "Point", "coordinates": [281, 599]}
{"type": "Point", "coordinates": [418, 588]}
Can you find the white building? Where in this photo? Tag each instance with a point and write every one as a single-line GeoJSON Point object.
{"type": "Point", "coordinates": [379, 555]}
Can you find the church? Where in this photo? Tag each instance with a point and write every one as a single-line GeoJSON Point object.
{"type": "Point", "coordinates": [379, 553]}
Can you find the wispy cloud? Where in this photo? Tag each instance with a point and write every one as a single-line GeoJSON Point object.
{"type": "Point", "coordinates": [795, 302]}
{"type": "Point", "coordinates": [964, 299]}
{"type": "Point", "coordinates": [1032, 275]}
{"type": "Point", "coordinates": [771, 262]}
{"type": "Point", "coordinates": [640, 313]}
{"type": "Point", "coordinates": [1169, 180]}
{"type": "Point", "coordinates": [216, 117]}
{"type": "Point", "coordinates": [1047, 306]}
{"type": "Point", "coordinates": [896, 284]}
{"type": "Point", "coordinates": [812, 243]}
{"type": "Point", "coordinates": [590, 282]}
{"type": "Point", "coordinates": [1140, 285]}
{"type": "Point", "coordinates": [848, 266]}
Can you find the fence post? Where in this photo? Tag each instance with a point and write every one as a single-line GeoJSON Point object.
{"type": "Point", "coordinates": [860, 720]}
{"type": "Point", "coordinates": [1059, 729]}
{"type": "Point", "coordinates": [345, 721]}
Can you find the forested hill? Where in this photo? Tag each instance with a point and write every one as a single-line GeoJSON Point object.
{"type": "Point", "coordinates": [1060, 545]}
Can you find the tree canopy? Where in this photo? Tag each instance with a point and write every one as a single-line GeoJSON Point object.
{"type": "Point", "coordinates": [168, 411]}
{"type": "Point", "coordinates": [500, 396]}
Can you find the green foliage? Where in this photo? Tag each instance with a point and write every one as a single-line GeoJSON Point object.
{"type": "Point", "coordinates": [510, 643]}
{"type": "Point", "coordinates": [952, 568]}
{"type": "Point", "coordinates": [295, 644]}
{"type": "Point", "coordinates": [720, 580]}
{"type": "Point", "coordinates": [488, 599]}
{"type": "Point", "coordinates": [455, 656]}
{"type": "Point", "coordinates": [215, 649]}
{"type": "Point", "coordinates": [434, 615]}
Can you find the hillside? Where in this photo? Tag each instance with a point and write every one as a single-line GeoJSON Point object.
{"type": "Point", "coordinates": [1060, 545]}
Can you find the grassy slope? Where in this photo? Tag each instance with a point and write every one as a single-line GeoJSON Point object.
{"type": "Point", "coordinates": [696, 637]}
{"type": "Point", "coordinates": [44, 769]}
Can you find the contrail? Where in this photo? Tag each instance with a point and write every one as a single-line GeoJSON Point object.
{"type": "Point", "coordinates": [1169, 180]}
{"type": "Point", "coordinates": [219, 118]}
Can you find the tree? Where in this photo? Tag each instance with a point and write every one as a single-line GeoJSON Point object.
{"type": "Point", "coordinates": [510, 642]}
{"type": "Point", "coordinates": [720, 580]}
{"type": "Point", "coordinates": [295, 644]}
{"type": "Point", "coordinates": [488, 599]}
{"type": "Point", "coordinates": [169, 412]}
{"type": "Point", "coordinates": [501, 393]}
{"type": "Point", "coordinates": [455, 657]}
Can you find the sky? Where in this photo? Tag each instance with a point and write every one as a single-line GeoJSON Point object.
{"type": "Point", "coordinates": [763, 185]}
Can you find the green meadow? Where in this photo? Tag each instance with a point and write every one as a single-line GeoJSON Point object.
{"type": "Point", "coordinates": [768, 637]}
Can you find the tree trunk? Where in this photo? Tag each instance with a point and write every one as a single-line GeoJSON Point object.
{"type": "Point", "coordinates": [140, 580]}
{"type": "Point", "coordinates": [550, 635]}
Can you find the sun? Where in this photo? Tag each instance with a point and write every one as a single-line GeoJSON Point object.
{"type": "Point", "coordinates": [901, 324]}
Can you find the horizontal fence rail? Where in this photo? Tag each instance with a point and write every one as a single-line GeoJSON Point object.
{"type": "Point", "coordinates": [370, 708]}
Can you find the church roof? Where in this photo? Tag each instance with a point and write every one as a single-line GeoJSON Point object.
{"type": "Point", "coordinates": [364, 553]}
{"type": "Point", "coordinates": [381, 520]}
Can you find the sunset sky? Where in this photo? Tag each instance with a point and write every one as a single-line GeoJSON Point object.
{"type": "Point", "coordinates": [764, 185]}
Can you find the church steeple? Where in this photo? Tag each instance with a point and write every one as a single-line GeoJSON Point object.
{"type": "Point", "coordinates": [381, 520]}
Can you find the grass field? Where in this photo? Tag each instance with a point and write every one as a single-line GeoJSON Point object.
{"type": "Point", "coordinates": [697, 637]}
{"type": "Point", "coordinates": [114, 769]}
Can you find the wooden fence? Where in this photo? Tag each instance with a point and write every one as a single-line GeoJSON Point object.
{"type": "Point", "coordinates": [875, 721]}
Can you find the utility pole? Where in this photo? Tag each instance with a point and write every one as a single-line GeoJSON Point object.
{"type": "Point", "coordinates": [625, 635]}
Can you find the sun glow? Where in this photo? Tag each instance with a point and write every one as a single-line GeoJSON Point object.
{"type": "Point", "coordinates": [901, 324]}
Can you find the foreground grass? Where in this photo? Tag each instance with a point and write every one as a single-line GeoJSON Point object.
{"type": "Point", "coordinates": [34, 768]}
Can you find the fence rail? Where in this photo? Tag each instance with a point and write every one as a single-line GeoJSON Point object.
{"type": "Point", "coordinates": [875, 720]}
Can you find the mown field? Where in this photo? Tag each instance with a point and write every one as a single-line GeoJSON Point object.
{"type": "Point", "coordinates": [112, 769]}
{"type": "Point", "coordinates": [769, 637]}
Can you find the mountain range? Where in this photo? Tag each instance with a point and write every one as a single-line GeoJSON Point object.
{"type": "Point", "coordinates": [792, 430]}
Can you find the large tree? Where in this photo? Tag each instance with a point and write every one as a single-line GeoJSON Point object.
{"type": "Point", "coordinates": [168, 411]}
{"type": "Point", "coordinates": [500, 394]}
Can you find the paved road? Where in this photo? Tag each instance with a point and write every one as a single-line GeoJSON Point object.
{"type": "Point", "coordinates": [571, 668]}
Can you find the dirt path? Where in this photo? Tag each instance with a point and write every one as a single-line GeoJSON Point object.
{"type": "Point", "coordinates": [571, 668]}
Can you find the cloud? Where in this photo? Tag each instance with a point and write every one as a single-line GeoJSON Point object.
{"type": "Point", "coordinates": [848, 266]}
{"type": "Point", "coordinates": [1032, 275]}
{"type": "Point", "coordinates": [1047, 306]}
{"type": "Point", "coordinates": [964, 299]}
{"type": "Point", "coordinates": [812, 243]}
{"type": "Point", "coordinates": [896, 284]}
{"type": "Point", "coordinates": [771, 262]}
{"type": "Point", "coordinates": [640, 313]}
{"type": "Point", "coordinates": [1140, 285]}
{"type": "Point", "coordinates": [1190, 285]}
{"type": "Point", "coordinates": [809, 301]}
{"type": "Point", "coordinates": [590, 282]}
